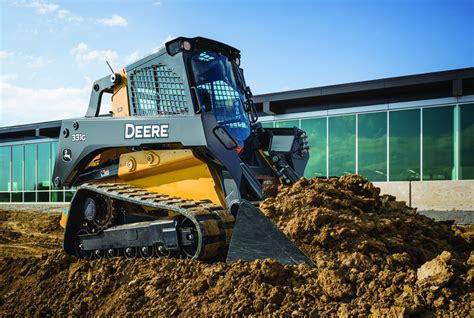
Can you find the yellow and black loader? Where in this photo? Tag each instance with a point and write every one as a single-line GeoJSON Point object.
{"type": "Point", "coordinates": [178, 166]}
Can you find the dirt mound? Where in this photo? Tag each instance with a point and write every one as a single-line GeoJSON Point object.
{"type": "Point", "coordinates": [373, 255]}
{"type": "Point", "coordinates": [347, 218]}
{"type": "Point", "coordinates": [26, 234]}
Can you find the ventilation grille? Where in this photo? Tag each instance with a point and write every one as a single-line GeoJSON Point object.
{"type": "Point", "coordinates": [156, 90]}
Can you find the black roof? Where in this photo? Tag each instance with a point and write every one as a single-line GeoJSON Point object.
{"type": "Point", "coordinates": [49, 129]}
{"type": "Point", "coordinates": [388, 90]}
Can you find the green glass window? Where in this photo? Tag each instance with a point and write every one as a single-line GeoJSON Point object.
{"type": "Point", "coordinates": [17, 173]}
{"type": "Point", "coordinates": [267, 124]}
{"type": "Point", "coordinates": [342, 145]}
{"type": "Point", "coordinates": [57, 196]}
{"type": "Point", "coordinates": [316, 131]}
{"type": "Point", "coordinates": [438, 143]}
{"type": "Point", "coordinates": [372, 143]}
{"type": "Point", "coordinates": [29, 196]}
{"type": "Point", "coordinates": [287, 124]}
{"type": "Point", "coordinates": [466, 142]}
{"type": "Point", "coordinates": [44, 164]}
{"type": "Point", "coordinates": [4, 196]}
{"type": "Point", "coordinates": [404, 144]}
{"type": "Point", "coordinates": [54, 151]}
{"type": "Point", "coordinates": [5, 156]}
{"type": "Point", "coordinates": [30, 167]}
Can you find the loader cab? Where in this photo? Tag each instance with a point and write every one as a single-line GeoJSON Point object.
{"type": "Point", "coordinates": [220, 88]}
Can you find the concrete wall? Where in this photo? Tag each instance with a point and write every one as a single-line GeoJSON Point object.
{"type": "Point", "coordinates": [34, 207]}
{"type": "Point", "coordinates": [433, 195]}
{"type": "Point", "coordinates": [399, 189]}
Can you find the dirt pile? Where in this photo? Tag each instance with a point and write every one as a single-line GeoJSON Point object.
{"type": "Point", "coordinates": [373, 255]}
{"type": "Point", "coordinates": [26, 234]}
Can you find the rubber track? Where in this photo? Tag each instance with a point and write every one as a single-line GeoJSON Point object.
{"type": "Point", "coordinates": [213, 223]}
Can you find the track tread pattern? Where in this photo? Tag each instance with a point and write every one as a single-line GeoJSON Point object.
{"type": "Point", "coordinates": [213, 223]}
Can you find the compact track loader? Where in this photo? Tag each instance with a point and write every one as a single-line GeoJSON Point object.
{"type": "Point", "coordinates": [177, 168]}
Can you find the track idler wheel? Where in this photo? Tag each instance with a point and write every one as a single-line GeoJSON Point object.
{"type": "Point", "coordinates": [147, 252]}
{"type": "Point", "coordinates": [112, 252]}
{"type": "Point", "coordinates": [130, 252]}
{"type": "Point", "coordinates": [99, 211]}
{"type": "Point", "coordinates": [189, 250]}
{"type": "Point", "coordinates": [98, 254]}
{"type": "Point", "coordinates": [161, 251]}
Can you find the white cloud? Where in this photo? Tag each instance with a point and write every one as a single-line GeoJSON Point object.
{"type": "Point", "coordinates": [83, 53]}
{"type": "Point", "coordinates": [115, 20]}
{"type": "Point", "coordinates": [41, 7]}
{"type": "Point", "coordinates": [67, 15]}
{"type": "Point", "coordinates": [32, 61]}
{"type": "Point", "coordinates": [157, 3]}
{"type": "Point", "coordinates": [36, 62]}
{"type": "Point", "coordinates": [5, 54]}
{"type": "Point", "coordinates": [8, 78]}
{"type": "Point", "coordinates": [22, 105]}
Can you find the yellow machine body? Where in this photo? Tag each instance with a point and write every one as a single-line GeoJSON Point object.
{"type": "Point", "coordinates": [172, 172]}
{"type": "Point", "coordinates": [120, 97]}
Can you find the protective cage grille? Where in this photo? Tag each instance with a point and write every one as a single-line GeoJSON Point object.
{"type": "Point", "coordinates": [226, 104]}
{"type": "Point", "coordinates": [156, 90]}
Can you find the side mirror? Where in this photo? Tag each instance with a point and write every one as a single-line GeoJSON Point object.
{"type": "Point", "coordinates": [249, 91]}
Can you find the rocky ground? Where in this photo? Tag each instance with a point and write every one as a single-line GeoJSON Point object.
{"type": "Point", "coordinates": [373, 255]}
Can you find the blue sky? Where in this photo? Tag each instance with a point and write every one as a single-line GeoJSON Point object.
{"type": "Point", "coordinates": [51, 51]}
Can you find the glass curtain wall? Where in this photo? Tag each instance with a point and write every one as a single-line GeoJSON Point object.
{"type": "Point", "coordinates": [372, 146]}
{"type": "Point", "coordinates": [25, 173]}
{"type": "Point", "coordinates": [466, 142]}
{"type": "Point", "coordinates": [17, 173]}
{"type": "Point", "coordinates": [317, 131]}
{"type": "Point", "coordinates": [404, 145]}
{"type": "Point", "coordinates": [438, 144]}
{"type": "Point", "coordinates": [287, 124]}
{"type": "Point", "coordinates": [429, 143]}
{"type": "Point", "coordinates": [30, 173]}
{"type": "Point", "coordinates": [342, 145]}
{"type": "Point", "coordinates": [44, 157]}
{"type": "Point", "coordinates": [5, 161]}
{"type": "Point", "coordinates": [419, 144]}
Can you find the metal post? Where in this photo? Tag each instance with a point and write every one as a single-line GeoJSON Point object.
{"type": "Point", "coordinates": [11, 167]}
{"type": "Point", "coordinates": [457, 141]}
{"type": "Point", "coordinates": [388, 145]}
{"type": "Point", "coordinates": [357, 145]}
{"type": "Point", "coordinates": [421, 144]}
{"type": "Point", "coordinates": [327, 147]}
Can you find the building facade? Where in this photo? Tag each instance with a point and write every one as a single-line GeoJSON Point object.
{"type": "Point", "coordinates": [404, 129]}
{"type": "Point", "coordinates": [421, 141]}
{"type": "Point", "coordinates": [27, 156]}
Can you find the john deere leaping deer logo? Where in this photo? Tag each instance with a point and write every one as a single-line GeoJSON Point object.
{"type": "Point", "coordinates": [67, 155]}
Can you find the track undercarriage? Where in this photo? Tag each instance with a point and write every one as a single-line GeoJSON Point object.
{"type": "Point", "coordinates": [118, 219]}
